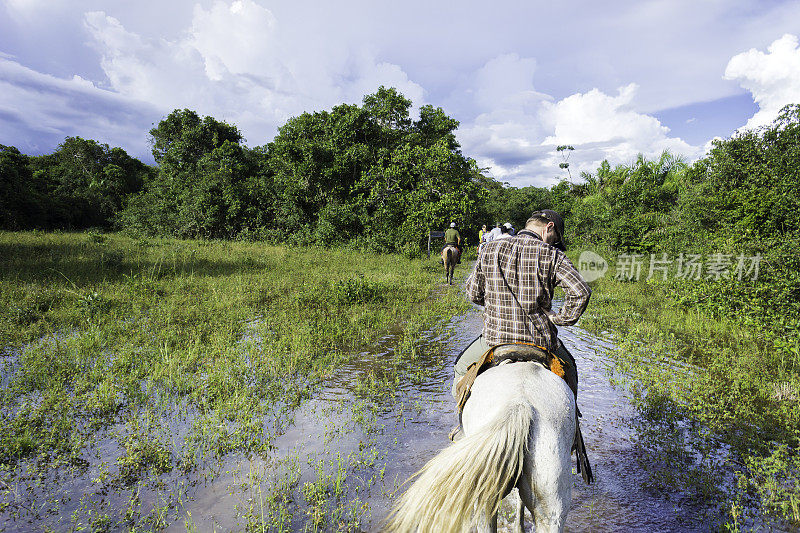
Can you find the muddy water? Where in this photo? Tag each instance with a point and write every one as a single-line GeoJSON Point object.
{"type": "Point", "coordinates": [413, 428]}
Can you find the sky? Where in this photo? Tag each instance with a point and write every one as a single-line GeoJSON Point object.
{"type": "Point", "coordinates": [612, 79]}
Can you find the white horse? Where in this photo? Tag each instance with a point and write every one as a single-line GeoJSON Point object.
{"type": "Point", "coordinates": [519, 425]}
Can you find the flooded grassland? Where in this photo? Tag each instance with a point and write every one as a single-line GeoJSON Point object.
{"type": "Point", "coordinates": [218, 386]}
{"type": "Point", "coordinates": [136, 373]}
{"type": "Point", "coordinates": [716, 401]}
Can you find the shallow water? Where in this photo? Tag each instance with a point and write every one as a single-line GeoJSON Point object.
{"type": "Point", "coordinates": [619, 500]}
{"type": "Point", "coordinates": [382, 440]}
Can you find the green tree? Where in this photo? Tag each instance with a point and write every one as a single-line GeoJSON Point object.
{"type": "Point", "coordinates": [365, 175]}
{"type": "Point", "coordinates": [182, 138]}
{"type": "Point", "coordinates": [201, 188]}
{"type": "Point", "coordinates": [625, 207]}
{"type": "Point", "coordinates": [434, 125]}
{"type": "Point", "coordinates": [86, 182]}
{"type": "Point", "coordinates": [22, 206]}
{"type": "Point", "coordinates": [389, 109]}
{"type": "Point", "coordinates": [515, 205]}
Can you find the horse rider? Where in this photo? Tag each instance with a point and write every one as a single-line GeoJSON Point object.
{"type": "Point", "coordinates": [514, 279]}
{"type": "Point", "coordinates": [453, 238]}
{"type": "Point", "coordinates": [492, 235]}
{"type": "Point", "coordinates": [504, 233]}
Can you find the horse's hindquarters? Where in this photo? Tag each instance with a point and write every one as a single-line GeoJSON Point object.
{"type": "Point", "coordinates": [551, 402]}
{"type": "Point", "coordinates": [551, 407]}
{"type": "Point", "coordinates": [518, 428]}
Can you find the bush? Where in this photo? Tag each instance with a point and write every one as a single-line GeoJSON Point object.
{"type": "Point", "coordinates": [357, 291]}
{"type": "Point", "coordinates": [410, 251]}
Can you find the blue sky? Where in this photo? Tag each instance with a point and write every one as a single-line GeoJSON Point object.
{"type": "Point", "coordinates": [611, 79]}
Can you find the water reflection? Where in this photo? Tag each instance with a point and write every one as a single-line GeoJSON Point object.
{"type": "Point", "coordinates": [415, 427]}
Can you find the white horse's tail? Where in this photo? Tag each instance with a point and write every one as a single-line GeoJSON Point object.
{"type": "Point", "coordinates": [467, 478]}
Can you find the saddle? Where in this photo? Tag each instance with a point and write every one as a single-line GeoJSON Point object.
{"type": "Point", "coordinates": [519, 352]}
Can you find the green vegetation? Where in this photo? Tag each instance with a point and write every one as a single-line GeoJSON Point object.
{"type": "Point", "coordinates": [138, 366]}
{"type": "Point", "coordinates": [82, 184]}
{"type": "Point", "coordinates": [106, 336]}
{"type": "Point", "coordinates": [713, 362]}
{"type": "Point", "coordinates": [366, 176]}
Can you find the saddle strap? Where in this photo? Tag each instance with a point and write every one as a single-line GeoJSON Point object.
{"type": "Point", "coordinates": [465, 383]}
{"type": "Point", "coordinates": [516, 352]}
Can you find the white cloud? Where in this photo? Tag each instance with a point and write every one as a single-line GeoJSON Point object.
{"type": "Point", "coordinates": [239, 38]}
{"type": "Point", "coordinates": [772, 78]}
{"type": "Point", "coordinates": [158, 71]}
{"type": "Point", "coordinates": [29, 6]}
{"type": "Point", "coordinates": [597, 117]}
{"type": "Point", "coordinates": [611, 126]}
{"type": "Point", "coordinates": [517, 133]}
{"type": "Point", "coordinates": [237, 63]}
{"type": "Point", "coordinates": [22, 5]}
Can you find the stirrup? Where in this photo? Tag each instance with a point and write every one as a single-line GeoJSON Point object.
{"type": "Point", "coordinates": [455, 433]}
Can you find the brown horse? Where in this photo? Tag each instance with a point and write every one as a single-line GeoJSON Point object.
{"type": "Point", "coordinates": [449, 259]}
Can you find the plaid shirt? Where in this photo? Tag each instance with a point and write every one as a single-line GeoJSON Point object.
{"type": "Point", "coordinates": [532, 270]}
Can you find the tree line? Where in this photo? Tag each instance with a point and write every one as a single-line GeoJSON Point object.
{"type": "Point", "coordinates": [367, 176]}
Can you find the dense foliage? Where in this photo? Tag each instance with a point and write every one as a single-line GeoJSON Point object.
{"type": "Point", "coordinates": [82, 184]}
{"type": "Point", "coordinates": [366, 175]}
{"type": "Point", "coordinates": [742, 198]}
{"type": "Point", "coordinates": [742, 331]}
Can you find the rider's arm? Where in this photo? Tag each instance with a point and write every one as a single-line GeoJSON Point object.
{"type": "Point", "coordinates": [476, 284]}
{"type": "Point", "coordinates": [577, 293]}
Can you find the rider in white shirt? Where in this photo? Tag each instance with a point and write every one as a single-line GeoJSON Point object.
{"type": "Point", "coordinates": [504, 234]}
{"type": "Point", "coordinates": [494, 233]}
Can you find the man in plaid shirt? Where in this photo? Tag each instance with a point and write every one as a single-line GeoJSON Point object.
{"type": "Point", "coordinates": [514, 280]}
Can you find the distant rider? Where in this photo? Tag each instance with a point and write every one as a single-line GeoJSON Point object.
{"type": "Point", "coordinates": [492, 235]}
{"type": "Point", "coordinates": [453, 238]}
{"type": "Point", "coordinates": [504, 234]}
{"type": "Point", "coordinates": [482, 237]}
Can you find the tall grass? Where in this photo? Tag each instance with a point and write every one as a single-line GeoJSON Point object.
{"type": "Point", "coordinates": [160, 357]}
{"type": "Point", "coordinates": [719, 395]}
